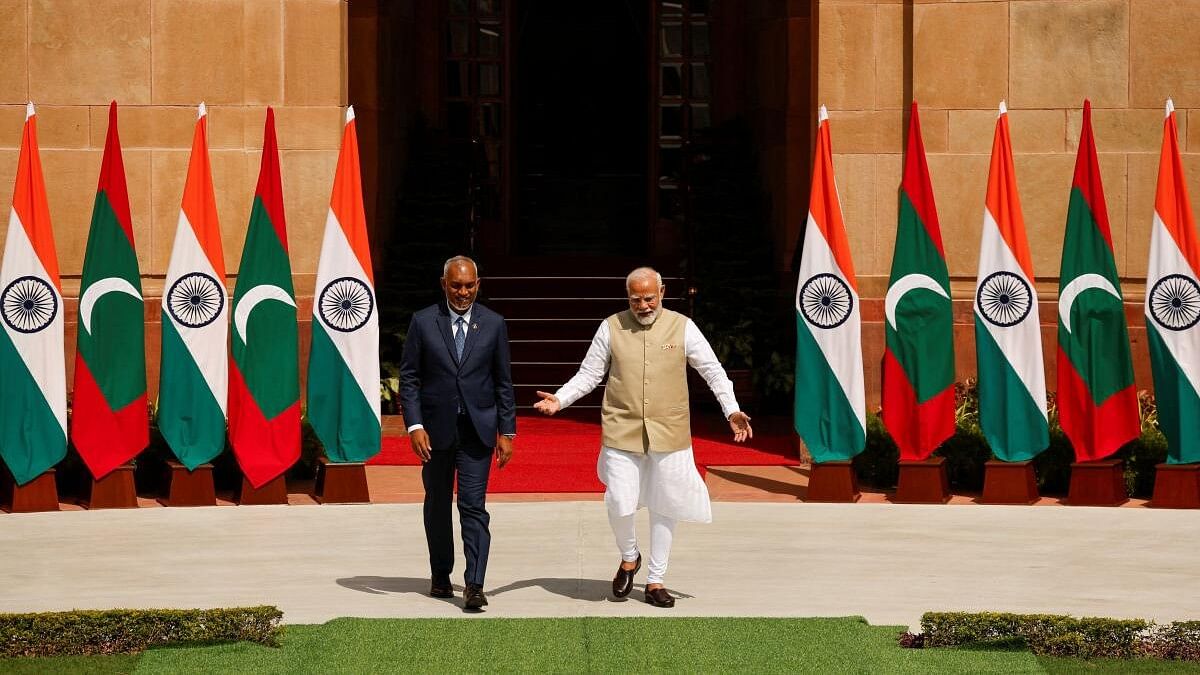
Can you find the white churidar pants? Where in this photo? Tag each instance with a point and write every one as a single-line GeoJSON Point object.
{"type": "Point", "coordinates": [667, 484]}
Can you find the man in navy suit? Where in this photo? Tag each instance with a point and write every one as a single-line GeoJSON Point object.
{"type": "Point", "coordinates": [457, 396]}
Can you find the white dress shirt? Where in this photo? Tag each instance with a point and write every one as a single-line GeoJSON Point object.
{"type": "Point", "coordinates": [453, 329]}
{"type": "Point", "coordinates": [700, 356]}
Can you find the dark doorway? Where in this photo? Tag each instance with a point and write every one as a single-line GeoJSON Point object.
{"type": "Point", "coordinates": [581, 130]}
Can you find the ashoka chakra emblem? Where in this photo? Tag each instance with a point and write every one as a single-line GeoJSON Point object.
{"type": "Point", "coordinates": [1004, 299]}
{"type": "Point", "coordinates": [345, 304]}
{"type": "Point", "coordinates": [825, 301]}
{"type": "Point", "coordinates": [1175, 302]}
{"type": "Point", "coordinates": [195, 299]}
{"type": "Point", "coordinates": [29, 304]}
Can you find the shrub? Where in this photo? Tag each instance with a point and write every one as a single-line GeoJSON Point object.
{"type": "Point", "coordinates": [1060, 635]}
{"type": "Point", "coordinates": [967, 451]}
{"type": "Point", "coordinates": [127, 631]}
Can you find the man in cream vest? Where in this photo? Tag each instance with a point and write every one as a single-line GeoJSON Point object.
{"type": "Point", "coordinates": [646, 458]}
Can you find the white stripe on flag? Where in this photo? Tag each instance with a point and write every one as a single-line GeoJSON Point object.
{"type": "Point", "coordinates": [359, 349]}
{"type": "Point", "coordinates": [1021, 344]}
{"type": "Point", "coordinates": [841, 345]}
{"type": "Point", "coordinates": [1166, 259]}
{"type": "Point", "coordinates": [43, 352]}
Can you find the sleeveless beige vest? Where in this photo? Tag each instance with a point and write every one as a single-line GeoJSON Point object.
{"type": "Point", "coordinates": [646, 400]}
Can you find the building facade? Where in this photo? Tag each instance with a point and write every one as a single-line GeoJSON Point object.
{"type": "Point", "coordinates": [579, 120]}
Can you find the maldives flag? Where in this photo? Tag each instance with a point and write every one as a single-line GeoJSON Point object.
{"type": "Point", "coordinates": [194, 381]}
{"type": "Point", "coordinates": [33, 389]}
{"type": "Point", "coordinates": [264, 386]}
{"type": "Point", "coordinates": [918, 361]}
{"type": "Point", "coordinates": [343, 363]}
{"type": "Point", "coordinates": [1173, 304]}
{"type": "Point", "coordinates": [109, 417]}
{"type": "Point", "coordinates": [1097, 403]}
{"type": "Point", "coordinates": [1008, 336]}
{"type": "Point", "coordinates": [830, 404]}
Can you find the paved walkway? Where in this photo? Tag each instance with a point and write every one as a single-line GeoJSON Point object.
{"type": "Point", "coordinates": [886, 562]}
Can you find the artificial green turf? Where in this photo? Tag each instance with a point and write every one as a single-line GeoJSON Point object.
{"type": "Point", "coordinates": [597, 645]}
{"type": "Point", "coordinates": [586, 645]}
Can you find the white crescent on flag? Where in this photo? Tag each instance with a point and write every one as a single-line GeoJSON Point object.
{"type": "Point", "coordinates": [259, 293]}
{"type": "Point", "coordinates": [906, 283]}
{"type": "Point", "coordinates": [1079, 284]}
{"type": "Point", "coordinates": [98, 290]}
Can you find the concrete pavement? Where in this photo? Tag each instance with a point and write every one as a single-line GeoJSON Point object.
{"type": "Point", "coordinates": [886, 562]}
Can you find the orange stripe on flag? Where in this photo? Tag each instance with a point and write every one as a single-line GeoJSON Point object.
{"type": "Point", "coordinates": [1171, 201]}
{"type": "Point", "coordinates": [347, 199]}
{"type": "Point", "coordinates": [1002, 200]}
{"type": "Point", "coordinates": [825, 208]}
{"type": "Point", "coordinates": [199, 201]}
{"type": "Point", "coordinates": [29, 200]}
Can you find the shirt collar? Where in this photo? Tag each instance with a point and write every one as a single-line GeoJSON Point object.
{"type": "Point", "coordinates": [465, 315]}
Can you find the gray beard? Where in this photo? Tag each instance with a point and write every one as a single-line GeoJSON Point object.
{"type": "Point", "coordinates": [646, 321]}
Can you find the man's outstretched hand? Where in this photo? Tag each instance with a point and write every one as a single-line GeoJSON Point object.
{"type": "Point", "coordinates": [739, 422]}
{"type": "Point", "coordinates": [549, 404]}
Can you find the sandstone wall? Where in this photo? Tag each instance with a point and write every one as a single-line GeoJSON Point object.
{"type": "Point", "coordinates": [159, 59]}
{"type": "Point", "coordinates": [958, 60]}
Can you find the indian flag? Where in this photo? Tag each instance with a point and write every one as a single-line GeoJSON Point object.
{"type": "Point", "coordinates": [830, 404]}
{"type": "Point", "coordinates": [264, 384]}
{"type": "Point", "coordinates": [33, 390]}
{"type": "Point", "coordinates": [194, 382]}
{"type": "Point", "coordinates": [1173, 304]}
{"type": "Point", "coordinates": [1097, 402]}
{"type": "Point", "coordinates": [343, 363]}
{"type": "Point", "coordinates": [1008, 338]}
{"type": "Point", "coordinates": [918, 358]}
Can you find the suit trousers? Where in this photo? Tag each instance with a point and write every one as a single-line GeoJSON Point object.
{"type": "Point", "coordinates": [471, 459]}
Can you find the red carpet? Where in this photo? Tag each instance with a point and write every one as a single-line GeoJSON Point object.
{"type": "Point", "coordinates": [559, 454]}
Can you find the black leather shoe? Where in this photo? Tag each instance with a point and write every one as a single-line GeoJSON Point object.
{"type": "Point", "coordinates": [659, 597]}
{"type": "Point", "coordinates": [473, 597]}
{"type": "Point", "coordinates": [623, 582]}
{"type": "Point", "coordinates": [441, 588]}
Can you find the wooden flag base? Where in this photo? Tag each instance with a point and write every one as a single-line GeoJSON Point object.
{"type": "Point", "coordinates": [1176, 486]}
{"type": "Point", "coordinates": [190, 488]}
{"type": "Point", "coordinates": [274, 492]}
{"type": "Point", "coordinates": [342, 483]}
{"type": "Point", "coordinates": [1009, 483]}
{"type": "Point", "coordinates": [1098, 483]}
{"type": "Point", "coordinates": [114, 491]}
{"type": "Point", "coordinates": [39, 494]}
{"type": "Point", "coordinates": [923, 482]}
{"type": "Point", "coordinates": [832, 482]}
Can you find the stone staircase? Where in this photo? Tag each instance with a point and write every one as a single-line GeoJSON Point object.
{"type": "Point", "coordinates": [553, 308]}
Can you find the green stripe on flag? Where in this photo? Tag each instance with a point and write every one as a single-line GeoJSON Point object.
{"type": "Point", "coordinates": [339, 413]}
{"type": "Point", "coordinates": [31, 440]}
{"type": "Point", "coordinates": [923, 340]}
{"type": "Point", "coordinates": [1011, 420]}
{"type": "Point", "coordinates": [1173, 395]}
{"type": "Point", "coordinates": [823, 416]}
{"type": "Point", "coordinates": [189, 417]}
{"type": "Point", "coordinates": [270, 372]}
{"type": "Point", "coordinates": [117, 319]}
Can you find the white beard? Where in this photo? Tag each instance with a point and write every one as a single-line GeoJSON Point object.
{"type": "Point", "coordinates": [646, 320]}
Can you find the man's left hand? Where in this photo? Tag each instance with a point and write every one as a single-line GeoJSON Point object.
{"type": "Point", "coordinates": [739, 422]}
{"type": "Point", "coordinates": [504, 449]}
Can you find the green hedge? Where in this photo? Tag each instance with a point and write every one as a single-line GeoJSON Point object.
{"type": "Point", "coordinates": [967, 450]}
{"type": "Point", "coordinates": [1060, 635]}
{"type": "Point", "coordinates": [127, 631]}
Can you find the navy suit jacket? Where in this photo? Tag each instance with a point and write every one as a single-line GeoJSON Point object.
{"type": "Point", "coordinates": [434, 384]}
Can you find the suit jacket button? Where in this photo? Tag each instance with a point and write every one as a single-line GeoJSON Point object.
{"type": "Point", "coordinates": [646, 401]}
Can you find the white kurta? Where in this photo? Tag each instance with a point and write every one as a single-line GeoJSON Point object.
{"type": "Point", "coordinates": [664, 482]}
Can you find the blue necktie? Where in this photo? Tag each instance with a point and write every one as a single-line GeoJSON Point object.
{"type": "Point", "coordinates": [460, 336]}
